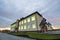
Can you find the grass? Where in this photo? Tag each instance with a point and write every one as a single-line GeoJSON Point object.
{"type": "Point", "coordinates": [36, 35]}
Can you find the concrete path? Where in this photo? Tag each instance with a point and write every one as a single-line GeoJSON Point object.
{"type": "Point", "coordinates": [54, 32]}
{"type": "Point", "coordinates": [4, 36]}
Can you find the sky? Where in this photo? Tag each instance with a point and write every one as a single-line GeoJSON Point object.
{"type": "Point", "coordinates": [11, 10]}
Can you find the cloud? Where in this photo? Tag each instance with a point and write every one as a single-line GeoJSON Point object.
{"type": "Point", "coordinates": [15, 9]}
{"type": "Point", "coordinates": [11, 10]}
{"type": "Point", "coordinates": [28, 6]}
{"type": "Point", "coordinates": [53, 21]}
{"type": "Point", "coordinates": [6, 19]}
{"type": "Point", "coordinates": [49, 7]}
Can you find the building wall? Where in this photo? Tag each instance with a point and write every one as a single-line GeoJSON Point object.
{"type": "Point", "coordinates": [32, 25]}
{"type": "Point", "coordinates": [13, 27]}
{"type": "Point", "coordinates": [49, 27]}
{"type": "Point", "coordinates": [38, 21]}
{"type": "Point", "coordinates": [28, 25]}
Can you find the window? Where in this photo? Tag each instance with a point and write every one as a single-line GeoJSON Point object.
{"type": "Point", "coordinates": [28, 26]}
{"type": "Point", "coordinates": [34, 26]}
{"type": "Point", "coordinates": [21, 27]}
{"type": "Point", "coordinates": [25, 21]}
{"type": "Point", "coordinates": [28, 19]}
{"type": "Point", "coordinates": [22, 22]}
{"type": "Point", "coordinates": [33, 18]}
{"type": "Point", "coordinates": [24, 26]}
{"type": "Point", "coordinates": [14, 25]}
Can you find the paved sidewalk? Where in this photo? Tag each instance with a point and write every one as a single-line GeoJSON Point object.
{"type": "Point", "coordinates": [4, 36]}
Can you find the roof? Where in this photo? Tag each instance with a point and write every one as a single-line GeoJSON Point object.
{"type": "Point", "coordinates": [31, 15]}
{"type": "Point", "coordinates": [14, 22]}
{"type": "Point", "coordinates": [28, 16]}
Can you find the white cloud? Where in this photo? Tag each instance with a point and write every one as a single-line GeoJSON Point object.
{"type": "Point", "coordinates": [18, 8]}
{"type": "Point", "coordinates": [27, 6]}
{"type": "Point", "coordinates": [6, 19]}
{"type": "Point", "coordinates": [49, 7]}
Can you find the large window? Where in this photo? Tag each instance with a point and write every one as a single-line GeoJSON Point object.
{"type": "Point", "coordinates": [33, 25]}
{"type": "Point", "coordinates": [24, 26]}
{"type": "Point", "coordinates": [28, 19]}
{"type": "Point", "coordinates": [28, 26]}
{"type": "Point", "coordinates": [19, 27]}
{"type": "Point", "coordinates": [22, 22]}
{"type": "Point", "coordinates": [25, 21]}
{"type": "Point", "coordinates": [33, 18]}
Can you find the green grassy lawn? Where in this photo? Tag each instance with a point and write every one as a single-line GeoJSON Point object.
{"type": "Point", "coordinates": [37, 35]}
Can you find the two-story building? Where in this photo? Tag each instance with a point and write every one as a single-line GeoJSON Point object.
{"type": "Point", "coordinates": [29, 23]}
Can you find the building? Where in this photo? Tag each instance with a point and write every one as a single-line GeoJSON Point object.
{"type": "Point", "coordinates": [49, 26]}
{"type": "Point", "coordinates": [28, 23]}
{"type": "Point", "coordinates": [15, 26]}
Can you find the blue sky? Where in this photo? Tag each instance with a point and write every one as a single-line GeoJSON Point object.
{"type": "Point", "coordinates": [11, 10]}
